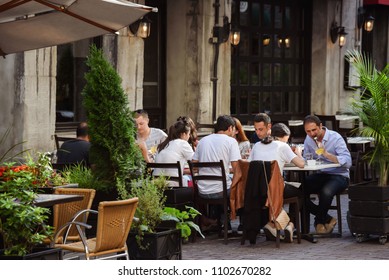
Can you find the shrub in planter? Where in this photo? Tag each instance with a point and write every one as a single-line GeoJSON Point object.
{"type": "Point", "coordinates": [368, 204]}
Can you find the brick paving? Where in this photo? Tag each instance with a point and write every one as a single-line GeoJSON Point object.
{"type": "Point", "coordinates": [346, 247]}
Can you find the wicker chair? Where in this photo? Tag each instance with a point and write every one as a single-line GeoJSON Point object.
{"type": "Point", "coordinates": [113, 225]}
{"type": "Point", "coordinates": [63, 213]}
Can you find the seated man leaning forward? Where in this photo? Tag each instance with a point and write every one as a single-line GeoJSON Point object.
{"type": "Point", "coordinates": [220, 145]}
{"type": "Point", "coordinates": [77, 150]}
{"type": "Point", "coordinates": [150, 135]}
{"type": "Point", "coordinates": [330, 147]}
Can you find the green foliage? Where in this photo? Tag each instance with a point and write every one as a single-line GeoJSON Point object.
{"type": "Point", "coordinates": [83, 176]}
{"type": "Point", "coordinates": [183, 219]}
{"type": "Point", "coordinates": [372, 107]}
{"type": "Point", "coordinates": [22, 225]}
{"type": "Point", "coordinates": [150, 192]}
{"type": "Point", "coordinates": [114, 152]}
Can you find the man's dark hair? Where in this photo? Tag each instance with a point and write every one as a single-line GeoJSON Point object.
{"type": "Point", "coordinates": [312, 119]}
{"type": "Point", "coordinates": [82, 130]}
{"type": "Point", "coordinates": [223, 123]}
{"type": "Point", "coordinates": [262, 117]}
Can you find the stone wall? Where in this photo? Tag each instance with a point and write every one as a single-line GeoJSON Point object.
{"type": "Point", "coordinates": [327, 79]}
{"type": "Point", "coordinates": [190, 60]}
{"type": "Point", "coordinates": [28, 83]}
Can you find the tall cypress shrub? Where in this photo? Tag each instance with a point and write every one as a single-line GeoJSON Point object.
{"type": "Point", "coordinates": [114, 153]}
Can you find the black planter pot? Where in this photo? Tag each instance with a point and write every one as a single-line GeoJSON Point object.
{"type": "Point", "coordinates": [369, 212]}
{"type": "Point", "coordinates": [37, 254]}
{"type": "Point", "coordinates": [165, 244]}
{"type": "Point", "coordinates": [178, 197]}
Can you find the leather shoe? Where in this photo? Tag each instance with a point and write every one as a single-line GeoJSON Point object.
{"type": "Point", "coordinates": [289, 233]}
{"type": "Point", "coordinates": [330, 225]}
{"type": "Point", "coordinates": [271, 232]}
{"type": "Point", "coordinates": [320, 229]}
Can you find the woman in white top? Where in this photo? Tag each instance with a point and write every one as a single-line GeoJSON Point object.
{"type": "Point", "coordinates": [276, 148]}
{"type": "Point", "coordinates": [174, 148]}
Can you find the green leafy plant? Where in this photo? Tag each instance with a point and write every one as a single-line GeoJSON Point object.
{"type": "Point", "coordinates": [150, 192]}
{"type": "Point", "coordinates": [372, 107]}
{"type": "Point", "coordinates": [83, 176]}
{"type": "Point", "coordinates": [184, 220]}
{"type": "Point", "coordinates": [22, 225]}
{"type": "Point", "coordinates": [114, 152]}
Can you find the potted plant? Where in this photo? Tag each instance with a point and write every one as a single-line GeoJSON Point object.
{"type": "Point", "coordinates": [146, 240]}
{"type": "Point", "coordinates": [149, 238]}
{"type": "Point", "coordinates": [22, 225]}
{"type": "Point", "coordinates": [368, 207]}
{"type": "Point", "coordinates": [183, 220]}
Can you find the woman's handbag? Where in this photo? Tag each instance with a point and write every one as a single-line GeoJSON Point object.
{"type": "Point", "coordinates": [282, 219]}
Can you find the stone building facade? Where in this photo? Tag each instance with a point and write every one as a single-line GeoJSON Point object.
{"type": "Point", "coordinates": [184, 60]}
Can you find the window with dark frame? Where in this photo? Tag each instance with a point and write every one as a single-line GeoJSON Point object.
{"type": "Point", "coordinates": [270, 65]}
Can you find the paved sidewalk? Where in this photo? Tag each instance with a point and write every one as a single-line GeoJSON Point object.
{"type": "Point", "coordinates": [345, 247]}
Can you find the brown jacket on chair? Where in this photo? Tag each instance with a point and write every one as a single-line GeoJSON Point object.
{"type": "Point", "coordinates": [238, 186]}
{"type": "Point", "coordinates": [276, 185]}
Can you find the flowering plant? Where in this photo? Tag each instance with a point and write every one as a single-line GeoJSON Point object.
{"type": "Point", "coordinates": [39, 173]}
{"type": "Point", "coordinates": [22, 224]}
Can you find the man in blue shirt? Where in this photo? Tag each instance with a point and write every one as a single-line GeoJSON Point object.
{"type": "Point", "coordinates": [329, 147]}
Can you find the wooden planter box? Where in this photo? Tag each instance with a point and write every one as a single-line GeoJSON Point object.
{"type": "Point", "coordinates": [369, 208]}
{"type": "Point", "coordinates": [37, 254]}
{"type": "Point", "coordinates": [165, 244]}
{"type": "Point", "coordinates": [369, 225]}
{"type": "Point", "coordinates": [368, 192]}
{"type": "Point", "coordinates": [369, 211]}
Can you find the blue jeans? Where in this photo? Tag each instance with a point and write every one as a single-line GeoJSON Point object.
{"type": "Point", "coordinates": [326, 186]}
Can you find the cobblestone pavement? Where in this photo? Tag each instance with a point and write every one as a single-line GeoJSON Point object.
{"type": "Point", "coordinates": [346, 247]}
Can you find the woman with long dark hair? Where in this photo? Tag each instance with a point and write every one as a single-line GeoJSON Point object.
{"type": "Point", "coordinates": [174, 148]}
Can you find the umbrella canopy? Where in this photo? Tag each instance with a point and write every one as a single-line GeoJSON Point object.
{"type": "Point", "coordinates": [33, 24]}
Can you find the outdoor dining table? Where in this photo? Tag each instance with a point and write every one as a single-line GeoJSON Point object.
{"type": "Point", "coordinates": [48, 200]}
{"type": "Point", "coordinates": [305, 223]}
{"type": "Point", "coordinates": [360, 141]}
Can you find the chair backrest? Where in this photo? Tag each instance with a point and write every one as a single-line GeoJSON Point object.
{"type": "Point", "coordinates": [176, 165]}
{"type": "Point", "coordinates": [63, 213]}
{"type": "Point", "coordinates": [113, 223]}
{"type": "Point", "coordinates": [195, 168]}
{"type": "Point", "coordinates": [59, 140]}
{"type": "Point", "coordinates": [329, 121]}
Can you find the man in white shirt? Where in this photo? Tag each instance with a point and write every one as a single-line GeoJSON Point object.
{"type": "Point", "coordinates": [151, 136]}
{"type": "Point", "coordinates": [215, 147]}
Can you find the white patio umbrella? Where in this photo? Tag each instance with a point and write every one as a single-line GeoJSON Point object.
{"type": "Point", "coordinates": [33, 24]}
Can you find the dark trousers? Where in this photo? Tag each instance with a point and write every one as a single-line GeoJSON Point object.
{"type": "Point", "coordinates": [291, 191]}
{"type": "Point", "coordinates": [326, 186]}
